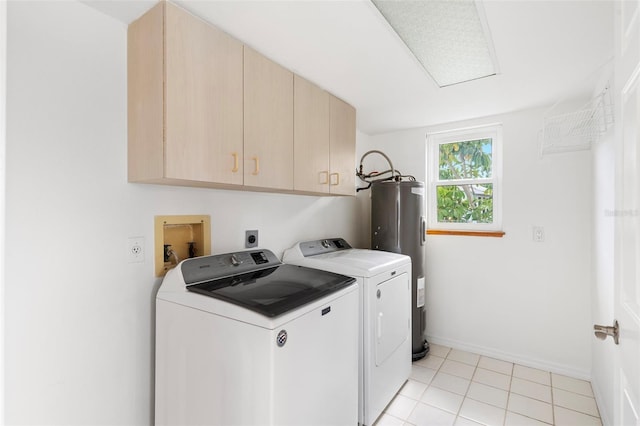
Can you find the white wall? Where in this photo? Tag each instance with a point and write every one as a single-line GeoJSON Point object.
{"type": "Point", "coordinates": [3, 134]}
{"type": "Point", "coordinates": [79, 318]}
{"type": "Point", "coordinates": [510, 297]}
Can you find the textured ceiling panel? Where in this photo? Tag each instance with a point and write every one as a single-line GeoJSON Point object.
{"type": "Point", "coordinates": [447, 37]}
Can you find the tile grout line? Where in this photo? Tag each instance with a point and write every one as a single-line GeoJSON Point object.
{"type": "Point", "coordinates": [419, 400]}
{"type": "Point", "coordinates": [553, 405]}
{"type": "Point", "coordinates": [444, 359]}
{"type": "Point", "coordinates": [506, 409]}
{"type": "Point", "coordinates": [466, 392]}
{"type": "Point", "coordinates": [575, 410]}
{"type": "Point", "coordinates": [535, 399]}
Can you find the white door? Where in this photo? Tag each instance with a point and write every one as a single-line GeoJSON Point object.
{"type": "Point", "coordinates": [627, 281]}
{"type": "Point", "coordinates": [392, 321]}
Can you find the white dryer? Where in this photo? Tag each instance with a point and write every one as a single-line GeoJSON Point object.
{"type": "Point", "coordinates": [385, 315]}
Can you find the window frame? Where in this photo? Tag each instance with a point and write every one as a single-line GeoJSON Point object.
{"type": "Point", "coordinates": [434, 140]}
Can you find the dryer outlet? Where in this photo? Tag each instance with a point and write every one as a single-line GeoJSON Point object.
{"type": "Point", "coordinates": [251, 238]}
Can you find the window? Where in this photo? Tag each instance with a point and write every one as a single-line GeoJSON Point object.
{"type": "Point", "coordinates": [464, 168]}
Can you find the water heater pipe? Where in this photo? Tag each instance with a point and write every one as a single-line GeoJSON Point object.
{"type": "Point", "coordinates": [375, 151]}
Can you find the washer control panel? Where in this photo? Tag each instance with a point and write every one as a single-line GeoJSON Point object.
{"type": "Point", "coordinates": [207, 268]}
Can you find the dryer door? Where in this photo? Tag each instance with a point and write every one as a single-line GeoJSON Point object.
{"type": "Point", "coordinates": [393, 316]}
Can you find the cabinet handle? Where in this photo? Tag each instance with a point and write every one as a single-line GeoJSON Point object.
{"type": "Point", "coordinates": [257, 168]}
{"type": "Point", "coordinates": [326, 178]}
{"type": "Point", "coordinates": [235, 162]}
{"type": "Point", "coordinates": [337, 175]}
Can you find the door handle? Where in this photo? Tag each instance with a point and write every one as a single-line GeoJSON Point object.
{"type": "Point", "coordinates": [324, 175]}
{"type": "Point", "coordinates": [337, 180]}
{"type": "Point", "coordinates": [256, 170]}
{"type": "Point", "coordinates": [235, 162]}
{"type": "Point", "coordinates": [602, 331]}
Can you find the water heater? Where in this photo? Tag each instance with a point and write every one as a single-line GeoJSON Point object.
{"type": "Point", "coordinates": [398, 225]}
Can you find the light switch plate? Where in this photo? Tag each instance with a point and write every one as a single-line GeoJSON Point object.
{"type": "Point", "coordinates": [538, 234]}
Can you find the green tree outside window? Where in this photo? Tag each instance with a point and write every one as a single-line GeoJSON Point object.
{"type": "Point", "coordinates": [469, 200]}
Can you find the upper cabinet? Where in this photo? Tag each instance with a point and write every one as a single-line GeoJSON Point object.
{"type": "Point", "coordinates": [185, 100]}
{"type": "Point", "coordinates": [268, 123]}
{"type": "Point", "coordinates": [311, 137]}
{"type": "Point", "coordinates": [324, 141]}
{"type": "Point", "coordinates": [342, 147]}
{"type": "Point", "coordinates": [205, 110]}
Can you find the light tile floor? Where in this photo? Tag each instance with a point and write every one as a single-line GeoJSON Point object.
{"type": "Point", "coordinates": [452, 387]}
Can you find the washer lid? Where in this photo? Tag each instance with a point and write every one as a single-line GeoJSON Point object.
{"type": "Point", "coordinates": [274, 291]}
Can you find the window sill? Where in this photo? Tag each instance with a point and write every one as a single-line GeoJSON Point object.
{"type": "Point", "coordinates": [497, 234]}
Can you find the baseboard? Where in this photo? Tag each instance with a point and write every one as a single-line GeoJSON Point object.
{"type": "Point", "coordinates": [605, 418]}
{"type": "Point", "coordinates": [567, 370]}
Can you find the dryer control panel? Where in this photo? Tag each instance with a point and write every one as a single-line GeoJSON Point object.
{"type": "Point", "coordinates": [327, 245]}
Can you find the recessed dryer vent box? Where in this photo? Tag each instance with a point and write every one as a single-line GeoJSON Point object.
{"type": "Point", "coordinates": [178, 238]}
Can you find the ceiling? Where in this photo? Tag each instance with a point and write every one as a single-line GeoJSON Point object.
{"type": "Point", "coordinates": [547, 51]}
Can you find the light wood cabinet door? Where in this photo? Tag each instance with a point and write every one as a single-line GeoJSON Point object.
{"type": "Point", "coordinates": [268, 123]}
{"type": "Point", "coordinates": [311, 137]}
{"type": "Point", "coordinates": [145, 97]}
{"type": "Point", "coordinates": [184, 101]}
{"type": "Point", "coordinates": [203, 101]}
{"type": "Point", "coordinates": [342, 147]}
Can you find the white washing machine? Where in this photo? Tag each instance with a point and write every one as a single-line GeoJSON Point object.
{"type": "Point", "coordinates": [385, 315]}
{"type": "Point", "coordinates": [242, 339]}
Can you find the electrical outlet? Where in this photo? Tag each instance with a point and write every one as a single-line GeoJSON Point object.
{"type": "Point", "coordinates": [538, 234]}
{"type": "Point", "coordinates": [135, 249]}
{"type": "Point", "coordinates": [251, 238]}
